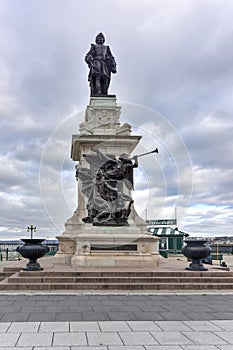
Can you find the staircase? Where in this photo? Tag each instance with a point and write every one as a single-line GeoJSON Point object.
{"type": "Point", "coordinates": [4, 275]}
{"type": "Point", "coordinates": [117, 280]}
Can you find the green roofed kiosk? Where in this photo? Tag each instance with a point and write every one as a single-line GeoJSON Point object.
{"type": "Point", "coordinates": [171, 238]}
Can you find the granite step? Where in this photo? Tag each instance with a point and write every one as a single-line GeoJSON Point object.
{"type": "Point", "coordinates": [116, 279]}
{"type": "Point", "coordinates": [11, 269]}
{"type": "Point", "coordinates": [116, 286]}
{"type": "Point", "coordinates": [119, 273]}
{"type": "Point", "coordinates": [4, 275]}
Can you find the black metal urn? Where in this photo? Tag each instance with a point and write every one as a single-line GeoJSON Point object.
{"type": "Point", "coordinates": [32, 249]}
{"type": "Point", "coordinates": [196, 249]}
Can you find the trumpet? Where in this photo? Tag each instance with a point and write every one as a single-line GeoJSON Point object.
{"type": "Point", "coordinates": [144, 154]}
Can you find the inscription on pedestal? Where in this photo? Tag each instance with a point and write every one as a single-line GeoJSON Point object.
{"type": "Point", "coordinates": [126, 247]}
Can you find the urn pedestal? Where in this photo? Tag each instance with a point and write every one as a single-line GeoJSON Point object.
{"type": "Point", "coordinates": [196, 249]}
{"type": "Point", "coordinates": [32, 249]}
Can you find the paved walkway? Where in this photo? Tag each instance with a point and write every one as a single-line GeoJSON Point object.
{"type": "Point", "coordinates": [172, 335]}
{"type": "Point", "coordinates": [174, 263]}
{"type": "Point", "coordinates": [115, 307]}
{"type": "Point", "coordinates": [116, 321]}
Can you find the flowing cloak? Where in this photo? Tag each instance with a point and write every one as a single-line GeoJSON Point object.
{"type": "Point", "coordinates": [100, 192]}
{"type": "Point", "coordinates": [91, 186]}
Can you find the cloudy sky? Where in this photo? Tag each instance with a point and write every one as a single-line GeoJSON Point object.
{"type": "Point", "coordinates": [174, 84]}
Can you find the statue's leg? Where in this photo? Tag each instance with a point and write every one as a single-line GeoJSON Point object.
{"type": "Point", "coordinates": [98, 86]}
{"type": "Point", "coordinates": [105, 85]}
{"type": "Point", "coordinates": [92, 87]}
{"type": "Point", "coordinates": [90, 214]}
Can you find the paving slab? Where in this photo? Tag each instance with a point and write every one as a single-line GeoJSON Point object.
{"type": "Point", "coordinates": [143, 326]}
{"type": "Point", "coordinates": [193, 315]}
{"type": "Point", "coordinates": [85, 326]}
{"type": "Point", "coordinates": [137, 338]}
{"type": "Point", "coordinates": [227, 336]}
{"type": "Point", "coordinates": [15, 317]}
{"type": "Point", "coordinates": [173, 326]}
{"type": "Point", "coordinates": [22, 327]}
{"type": "Point", "coordinates": [95, 316]}
{"type": "Point", "coordinates": [43, 303]}
{"type": "Point", "coordinates": [171, 338]}
{"type": "Point", "coordinates": [49, 327]}
{"type": "Point", "coordinates": [121, 316]}
{"type": "Point", "coordinates": [7, 340]}
{"type": "Point", "coordinates": [221, 315]}
{"type": "Point", "coordinates": [104, 338]}
{"type": "Point", "coordinates": [226, 325]}
{"type": "Point", "coordinates": [14, 348]}
{"type": "Point", "coordinates": [134, 347]}
{"type": "Point", "coordinates": [200, 347]}
{"type": "Point", "coordinates": [148, 316]}
{"type": "Point", "coordinates": [10, 309]}
{"type": "Point", "coordinates": [154, 308]}
{"type": "Point", "coordinates": [68, 316]}
{"type": "Point", "coordinates": [69, 339]}
{"type": "Point", "coordinates": [4, 327]}
{"type": "Point", "coordinates": [57, 309]}
{"type": "Point", "coordinates": [114, 326]}
{"type": "Point", "coordinates": [34, 339]}
{"type": "Point", "coordinates": [202, 326]}
{"type": "Point", "coordinates": [81, 308]}
{"type": "Point", "coordinates": [163, 347]}
{"type": "Point", "coordinates": [42, 316]}
{"type": "Point", "coordinates": [89, 348]}
{"type": "Point", "coordinates": [206, 338]}
{"type": "Point", "coordinates": [16, 297]}
{"type": "Point", "coordinates": [175, 315]}
{"type": "Point", "coordinates": [34, 309]}
{"type": "Point", "coordinates": [50, 348]}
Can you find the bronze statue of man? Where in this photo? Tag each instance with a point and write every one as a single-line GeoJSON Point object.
{"type": "Point", "coordinates": [101, 63]}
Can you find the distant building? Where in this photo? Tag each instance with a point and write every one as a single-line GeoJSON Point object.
{"type": "Point", "coordinates": [221, 248]}
{"type": "Point", "coordinates": [171, 238]}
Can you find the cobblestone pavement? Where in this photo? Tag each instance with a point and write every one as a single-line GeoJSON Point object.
{"type": "Point", "coordinates": [116, 321]}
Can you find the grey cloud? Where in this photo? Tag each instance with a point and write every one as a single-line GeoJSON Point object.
{"type": "Point", "coordinates": [173, 57]}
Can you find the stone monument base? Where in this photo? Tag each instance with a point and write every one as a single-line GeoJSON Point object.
{"type": "Point", "coordinates": [108, 247]}
{"type": "Point", "coordinates": [116, 259]}
{"type": "Point", "coordinates": [116, 249]}
{"type": "Point", "coordinates": [123, 243]}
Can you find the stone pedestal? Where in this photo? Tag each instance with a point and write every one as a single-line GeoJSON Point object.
{"type": "Point", "coordinates": [88, 245]}
{"type": "Point", "coordinates": [119, 249]}
{"type": "Point", "coordinates": [84, 244]}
